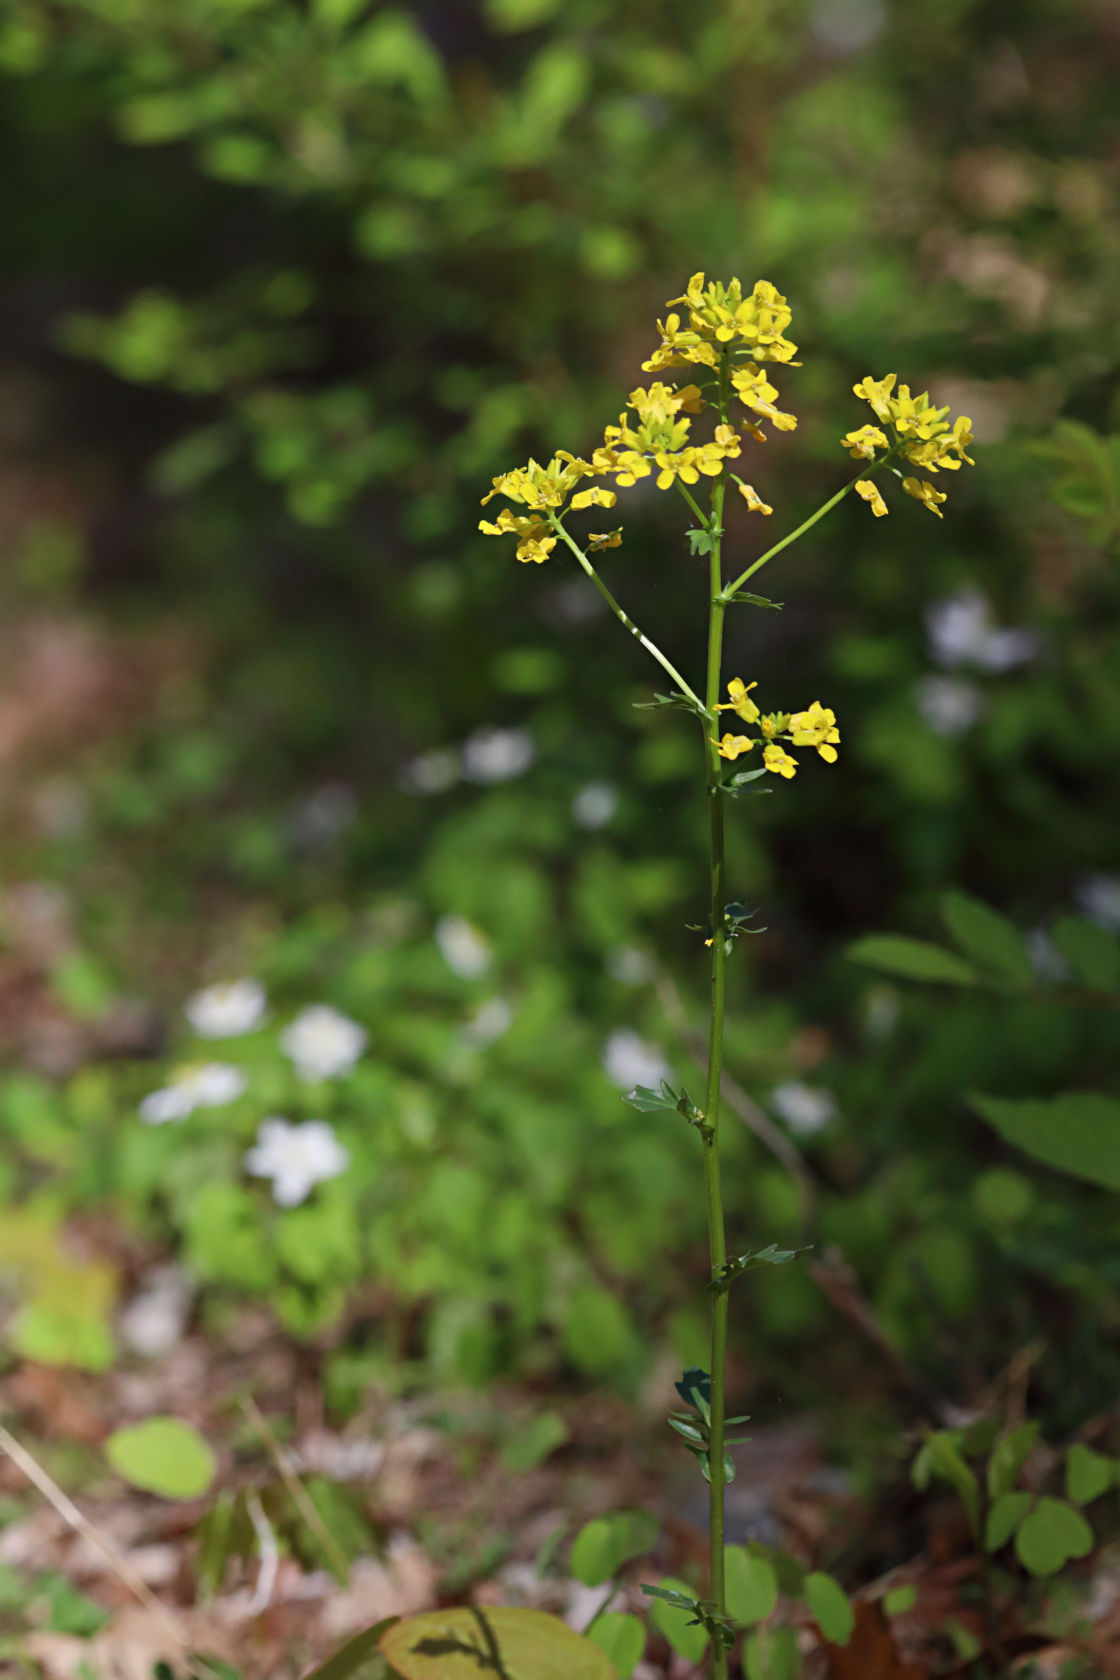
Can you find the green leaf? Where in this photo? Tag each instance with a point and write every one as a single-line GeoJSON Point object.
{"type": "Point", "coordinates": [1088, 1474]}
{"type": "Point", "coordinates": [987, 937]}
{"type": "Point", "coordinates": [352, 1656]}
{"type": "Point", "coordinates": [771, 1654]}
{"type": "Point", "coordinates": [648, 1101]}
{"type": "Point", "coordinates": [680, 701]}
{"type": "Point", "coordinates": [1092, 953]}
{"type": "Point", "coordinates": [752, 1586]}
{"type": "Point", "coordinates": [755, 600]}
{"type": "Point", "coordinates": [598, 1334]}
{"type": "Point", "coordinates": [830, 1606]}
{"type": "Point", "coordinates": [941, 1457]}
{"type": "Point", "coordinates": [1050, 1536]}
{"type": "Point", "coordinates": [1078, 1132]}
{"type": "Point", "coordinates": [1008, 1458]}
{"type": "Point", "coordinates": [455, 1644]}
{"type": "Point", "coordinates": [899, 1600]}
{"type": "Point", "coordinates": [915, 959]}
{"type": "Point", "coordinates": [700, 542]}
{"type": "Point", "coordinates": [1005, 1515]}
{"type": "Point", "coordinates": [602, 1546]}
{"type": "Point", "coordinates": [622, 1637]}
{"type": "Point", "coordinates": [676, 1620]}
{"type": "Point", "coordinates": [162, 1455]}
{"type": "Point", "coordinates": [536, 1442]}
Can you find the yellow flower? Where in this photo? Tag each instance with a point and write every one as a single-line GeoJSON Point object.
{"type": "Point", "coordinates": [816, 727]}
{"type": "Point", "coordinates": [752, 498]}
{"type": "Point", "coordinates": [535, 540]}
{"type": "Point", "coordinates": [604, 539]}
{"type": "Point", "coordinates": [756, 391]}
{"type": "Point", "coordinates": [769, 726]}
{"type": "Point", "coordinates": [922, 433]}
{"type": "Point", "coordinates": [732, 745]}
{"type": "Point", "coordinates": [877, 393]}
{"type": "Point", "coordinates": [862, 445]}
{"type": "Point", "coordinates": [778, 760]}
{"type": "Point", "coordinates": [541, 487]}
{"type": "Point", "coordinates": [740, 703]}
{"type": "Point", "coordinates": [595, 497]}
{"type": "Point", "coordinates": [720, 315]}
{"type": "Point", "coordinates": [871, 493]}
{"type": "Point", "coordinates": [923, 491]}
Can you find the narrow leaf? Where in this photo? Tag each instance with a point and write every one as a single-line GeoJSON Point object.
{"type": "Point", "coordinates": [914, 959]}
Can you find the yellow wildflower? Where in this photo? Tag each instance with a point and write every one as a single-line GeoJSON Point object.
{"type": "Point", "coordinates": [604, 539]}
{"type": "Point", "coordinates": [871, 493]}
{"type": "Point", "coordinates": [756, 391]}
{"type": "Point", "coordinates": [732, 745]}
{"type": "Point", "coordinates": [720, 315]}
{"type": "Point", "coordinates": [776, 758]}
{"type": "Point", "coordinates": [535, 540]}
{"type": "Point", "coordinates": [740, 703]}
{"type": "Point", "coordinates": [816, 727]}
{"type": "Point", "coordinates": [862, 445]}
{"type": "Point", "coordinates": [877, 393]}
{"type": "Point", "coordinates": [923, 491]}
{"type": "Point", "coordinates": [541, 487]}
{"type": "Point", "coordinates": [769, 726]}
{"type": "Point", "coordinates": [660, 437]}
{"type": "Point", "coordinates": [595, 497]}
{"type": "Point", "coordinates": [752, 498]}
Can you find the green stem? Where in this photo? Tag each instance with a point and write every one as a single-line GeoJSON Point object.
{"type": "Point", "coordinates": [806, 525]}
{"type": "Point", "coordinates": [717, 1242]}
{"type": "Point", "coordinates": [623, 617]}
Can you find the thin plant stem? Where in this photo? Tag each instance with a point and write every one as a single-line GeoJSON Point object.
{"type": "Point", "coordinates": [806, 525]}
{"type": "Point", "coordinates": [717, 1241]}
{"type": "Point", "coordinates": [623, 617]}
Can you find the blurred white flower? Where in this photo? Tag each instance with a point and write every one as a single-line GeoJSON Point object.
{"type": "Point", "coordinates": [804, 1108]}
{"type": "Point", "coordinates": [431, 772]}
{"type": "Point", "coordinates": [201, 1085]}
{"type": "Point", "coordinates": [595, 804]}
{"type": "Point", "coordinates": [950, 705]}
{"type": "Point", "coordinates": [462, 947]}
{"type": "Point", "coordinates": [154, 1320]}
{"type": "Point", "coordinates": [843, 27]}
{"type": "Point", "coordinates": [961, 632]}
{"type": "Point", "coordinates": [630, 966]}
{"type": "Point", "coordinates": [1098, 897]}
{"type": "Point", "coordinates": [490, 1021]}
{"type": "Point", "coordinates": [629, 1060]}
{"type": "Point", "coordinates": [322, 1043]}
{"type": "Point", "coordinates": [1045, 957]}
{"type": "Point", "coordinates": [324, 815]}
{"type": "Point", "coordinates": [881, 1011]}
{"type": "Point", "coordinates": [497, 755]}
{"type": "Point", "coordinates": [295, 1158]}
{"type": "Point", "coordinates": [226, 1010]}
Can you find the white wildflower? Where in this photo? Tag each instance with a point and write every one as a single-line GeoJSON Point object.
{"type": "Point", "coordinates": [490, 1021]}
{"type": "Point", "coordinates": [629, 965]}
{"type": "Point", "coordinates": [462, 947]}
{"type": "Point", "coordinates": [961, 632]}
{"type": "Point", "coordinates": [322, 1043]}
{"type": "Point", "coordinates": [950, 705]}
{"type": "Point", "coordinates": [1045, 957]}
{"type": "Point", "coordinates": [226, 1010]}
{"type": "Point", "coordinates": [806, 1109]}
{"type": "Point", "coordinates": [629, 1060]}
{"type": "Point", "coordinates": [295, 1158]}
{"type": "Point", "coordinates": [595, 804]}
{"type": "Point", "coordinates": [497, 755]}
{"type": "Point", "coordinates": [200, 1085]}
{"type": "Point", "coordinates": [154, 1320]}
{"type": "Point", "coordinates": [1098, 897]}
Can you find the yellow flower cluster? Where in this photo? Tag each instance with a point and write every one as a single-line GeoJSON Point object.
{"type": "Point", "coordinates": [814, 727]}
{"type": "Point", "coordinates": [756, 391]}
{"type": "Point", "coordinates": [921, 434]}
{"type": "Point", "coordinates": [720, 315]}
{"type": "Point", "coordinates": [660, 439]}
{"type": "Point", "coordinates": [542, 489]}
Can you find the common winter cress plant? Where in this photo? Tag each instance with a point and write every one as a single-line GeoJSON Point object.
{"type": "Point", "coordinates": [713, 361]}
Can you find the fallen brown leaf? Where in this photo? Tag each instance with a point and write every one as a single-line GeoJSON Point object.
{"type": "Point", "coordinates": [871, 1653]}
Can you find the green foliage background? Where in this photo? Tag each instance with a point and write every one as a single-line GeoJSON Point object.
{"type": "Point", "coordinates": [285, 285]}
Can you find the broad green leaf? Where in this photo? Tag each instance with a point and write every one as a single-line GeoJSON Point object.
{"type": "Point", "coordinates": [1004, 1517]}
{"type": "Point", "coordinates": [602, 1546]}
{"type": "Point", "coordinates": [598, 1334]}
{"type": "Point", "coordinates": [1088, 1474]}
{"type": "Point", "coordinates": [1008, 1458]}
{"type": "Point", "coordinates": [771, 1654]}
{"type": "Point", "coordinates": [900, 1599]}
{"type": "Point", "coordinates": [532, 1444]}
{"type": "Point", "coordinates": [679, 1626]}
{"type": "Point", "coordinates": [987, 937]}
{"type": "Point", "coordinates": [1078, 1133]}
{"type": "Point", "coordinates": [355, 1654]}
{"type": "Point", "coordinates": [1092, 953]}
{"type": "Point", "coordinates": [162, 1455]}
{"type": "Point", "coordinates": [622, 1637]}
{"type": "Point", "coordinates": [752, 1586]}
{"type": "Point", "coordinates": [941, 1457]}
{"type": "Point", "coordinates": [454, 1645]}
{"type": "Point", "coordinates": [1050, 1535]}
{"type": "Point", "coordinates": [831, 1608]}
{"type": "Point", "coordinates": [913, 958]}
